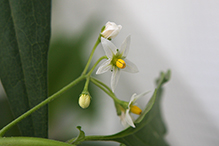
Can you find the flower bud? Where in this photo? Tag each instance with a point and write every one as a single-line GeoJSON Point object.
{"type": "Point", "coordinates": [84, 100]}
{"type": "Point", "coordinates": [111, 30]}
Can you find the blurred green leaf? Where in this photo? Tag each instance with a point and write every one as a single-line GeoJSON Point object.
{"type": "Point", "coordinates": [24, 43]}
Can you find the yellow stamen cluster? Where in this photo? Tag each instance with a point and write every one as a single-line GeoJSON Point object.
{"type": "Point", "coordinates": [135, 109]}
{"type": "Point", "coordinates": [120, 63]}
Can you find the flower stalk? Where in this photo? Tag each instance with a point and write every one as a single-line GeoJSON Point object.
{"type": "Point", "coordinates": [91, 55]}
{"type": "Point", "coordinates": [107, 90]}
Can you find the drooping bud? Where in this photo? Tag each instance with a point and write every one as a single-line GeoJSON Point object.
{"type": "Point", "coordinates": [111, 30]}
{"type": "Point", "coordinates": [84, 100]}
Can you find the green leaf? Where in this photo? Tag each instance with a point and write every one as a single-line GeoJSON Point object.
{"type": "Point", "coordinates": [150, 128]}
{"type": "Point", "coordinates": [80, 137]}
{"type": "Point", "coordinates": [24, 43]}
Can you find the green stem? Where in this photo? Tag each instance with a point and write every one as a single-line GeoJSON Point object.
{"type": "Point", "coordinates": [89, 73]}
{"type": "Point", "coordinates": [49, 99]}
{"type": "Point", "coordinates": [98, 61]}
{"type": "Point", "coordinates": [99, 138]}
{"type": "Point", "coordinates": [104, 87]}
{"type": "Point", "coordinates": [86, 84]}
{"type": "Point", "coordinates": [91, 55]}
{"type": "Point", "coordinates": [95, 138]}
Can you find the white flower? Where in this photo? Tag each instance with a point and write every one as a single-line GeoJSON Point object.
{"type": "Point", "coordinates": [126, 118]}
{"type": "Point", "coordinates": [84, 100]}
{"type": "Point", "coordinates": [111, 30]}
{"type": "Point", "coordinates": [116, 60]}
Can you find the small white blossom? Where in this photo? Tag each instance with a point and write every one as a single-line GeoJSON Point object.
{"type": "Point", "coordinates": [126, 118]}
{"type": "Point", "coordinates": [116, 60]}
{"type": "Point", "coordinates": [111, 30]}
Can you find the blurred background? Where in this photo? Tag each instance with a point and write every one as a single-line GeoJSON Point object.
{"type": "Point", "coordinates": [179, 35]}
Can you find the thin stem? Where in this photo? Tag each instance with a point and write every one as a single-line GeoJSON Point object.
{"type": "Point", "coordinates": [86, 84]}
{"type": "Point", "coordinates": [98, 138]}
{"type": "Point", "coordinates": [49, 99]}
{"type": "Point", "coordinates": [91, 55]}
{"type": "Point", "coordinates": [98, 61]}
{"type": "Point", "coordinates": [102, 86]}
{"type": "Point", "coordinates": [95, 138]}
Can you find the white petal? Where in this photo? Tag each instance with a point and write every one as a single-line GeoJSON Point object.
{"type": "Point", "coordinates": [132, 100]}
{"type": "Point", "coordinates": [115, 32]}
{"type": "Point", "coordinates": [107, 33]}
{"type": "Point", "coordinates": [141, 95]}
{"type": "Point", "coordinates": [125, 46]}
{"type": "Point", "coordinates": [115, 78]}
{"type": "Point", "coordinates": [111, 30]}
{"type": "Point", "coordinates": [135, 97]}
{"type": "Point", "coordinates": [109, 24]}
{"type": "Point", "coordinates": [104, 67]}
{"type": "Point", "coordinates": [108, 47]}
{"type": "Point", "coordinates": [130, 67]}
{"type": "Point", "coordinates": [129, 119]}
{"type": "Point", "coordinates": [122, 119]}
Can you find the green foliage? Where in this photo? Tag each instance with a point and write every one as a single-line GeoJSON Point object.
{"type": "Point", "coordinates": [24, 43]}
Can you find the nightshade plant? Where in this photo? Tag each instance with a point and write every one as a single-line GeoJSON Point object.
{"type": "Point", "coordinates": [24, 43]}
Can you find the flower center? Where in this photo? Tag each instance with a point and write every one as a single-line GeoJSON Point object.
{"type": "Point", "coordinates": [120, 63]}
{"type": "Point", "coordinates": [135, 109]}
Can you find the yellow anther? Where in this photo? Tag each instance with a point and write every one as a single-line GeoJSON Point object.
{"type": "Point", "coordinates": [120, 63]}
{"type": "Point", "coordinates": [135, 109]}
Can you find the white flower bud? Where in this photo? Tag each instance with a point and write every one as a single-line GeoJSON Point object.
{"type": "Point", "coordinates": [84, 100]}
{"type": "Point", "coordinates": [111, 30]}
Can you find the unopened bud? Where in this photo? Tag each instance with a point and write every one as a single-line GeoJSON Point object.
{"type": "Point", "coordinates": [84, 100]}
{"type": "Point", "coordinates": [111, 30]}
